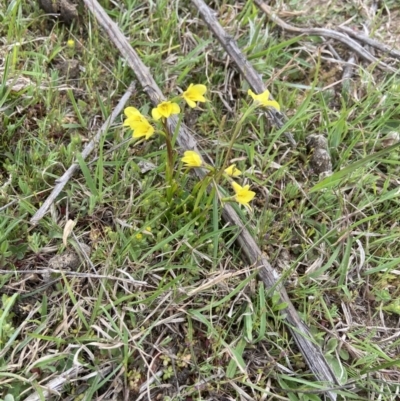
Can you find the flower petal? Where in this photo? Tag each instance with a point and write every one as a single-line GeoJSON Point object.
{"type": "Point", "coordinates": [192, 159]}
{"type": "Point", "coordinates": [132, 111]}
{"type": "Point", "coordinates": [201, 89]}
{"type": "Point", "coordinates": [236, 186]}
{"type": "Point", "coordinates": [175, 108]}
{"type": "Point", "coordinates": [156, 114]}
{"type": "Point", "coordinates": [190, 102]}
{"type": "Point", "coordinates": [252, 94]}
{"type": "Point", "coordinates": [274, 104]}
{"type": "Point", "coordinates": [150, 132]}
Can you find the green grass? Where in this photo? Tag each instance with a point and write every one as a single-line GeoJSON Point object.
{"type": "Point", "coordinates": [166, 292]}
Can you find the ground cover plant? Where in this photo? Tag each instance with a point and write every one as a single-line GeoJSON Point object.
{"type": "Point", "coordinates": [132, 286]}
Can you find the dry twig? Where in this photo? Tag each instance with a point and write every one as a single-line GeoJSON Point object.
{"type": "Point", "coordinates": [56, 384]}
{"type": "Point", "coordinates": [269, 276]}
{"type": "Point", "coordinates": [369, 41]}
{"type": "Point", "coordinates": [246, 69]}
{"type": "Point", "coordinates": [62, 181]}
{"type": "Point", "coordinates": [329, 33]}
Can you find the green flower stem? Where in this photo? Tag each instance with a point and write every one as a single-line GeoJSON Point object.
{"type": "Point", "coordinates": [176, 99]}
{"type": "Point", "coordinates": [169, 166]}
{"type": "Point", "coordinates": [236, 131]}
{"type": "Point", "coordinates": [228, 177]}
{"type": "Point", "coordinates": [177, 128]}
{"type": "Point", "coordinates": [235, 134]}
{"type": "Point", "coordinates": [228, 199]}
{"type": "Point", "coordinates": [208, 167]}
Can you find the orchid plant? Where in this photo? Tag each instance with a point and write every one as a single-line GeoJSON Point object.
{"type": "Point", "coordinates": [195, 93]}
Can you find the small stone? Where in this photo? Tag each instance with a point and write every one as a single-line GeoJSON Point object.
{"type": "Point", "coordinates": [69, 260]}
{"type": "Point", "coordinates": [390, 139]}
{"type": "Point", "coordinates": [49, 6]}
{"type": "Point", "coordinates": [69, 68]}
{"type": "Point", "coordinates": [68, 11]}
{"type": "Point", "coordinates": [316, 141]}
{"type": "Point", "coordinates": [65, 8]}
{"type": "Point", "coordinates": [146, 166]}
{"type": "Point", "coordinates": [320, 160]}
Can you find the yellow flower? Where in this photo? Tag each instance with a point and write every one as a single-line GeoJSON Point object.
{"type": "Point", "coordinates": [139, 236]}
{"type": "Point", "coordinates": [195, 93]}
{"type": "Point", "coordinates": [71, 43]}
{"type": "Point", "coordinates": [142, 128]}
{"type": "Point", "coordinates": [243, 194]}
{"type": "Point", "coordinates": [192, 159]}
{"type": "Point", "coordinates": [137, 123]}
{"type": "Point", "coordinates": [232, 171]}
{"type": "Point", "coordinates": [263, 99]}
{"type": "Point", "coordinates": [165, 109]}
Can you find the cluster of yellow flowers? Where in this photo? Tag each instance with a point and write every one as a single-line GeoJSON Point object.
{"type": "Point", "coordinates": [243, 195]}
{"type": "Point", "coordinates": [141, 126]}
{"type": "Point", "coordinates": [194, 93]}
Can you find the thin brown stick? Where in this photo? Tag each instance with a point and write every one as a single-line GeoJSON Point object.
{"type": "Point", "coordinates": [327, 33]}
{"type": "Point", "coordinates": [62, 181]}
{"type": "Point", "coordinates": [248, 72]}
{"type": "Point", "coordinates": [269, 276]}
{"type": "Point", "coordinates": [74, 274]}
{"type": "Point", "coordinates": [369, 41]}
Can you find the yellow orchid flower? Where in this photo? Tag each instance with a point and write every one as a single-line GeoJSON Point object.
{"type": "Point", "coordinates": [243, 194]}
{"type": "Point", "coordinates": [137, 123]}
{"type": "Point", "coordinates": [233, 171]}
{"type": "Point", "coordinates": [192, 159]}
{"type": "Point", "coordinates": [165, 109]}
{"type": "Point", "coordinates": [195, 93]}
{"type": "Point", "coordinates": [263, 99]}
{"type": "Point", "coordinates": [141, 128]}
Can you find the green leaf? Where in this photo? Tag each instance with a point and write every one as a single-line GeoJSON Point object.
{"type": "Point", "coordinates": [337, 367]}
{"type": "Point", "coordinates": [262, 312]}
{"type": "Point", "coordinates": [88, 177]}
{"type": "Point", "coordinates": [8, 303]}
{"type": "Point", "coordinates": [393, 307]}
{"type": "Point", "coordinates": [237, 360]}
{"type": "Point", "coordinates": [248, 324]}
